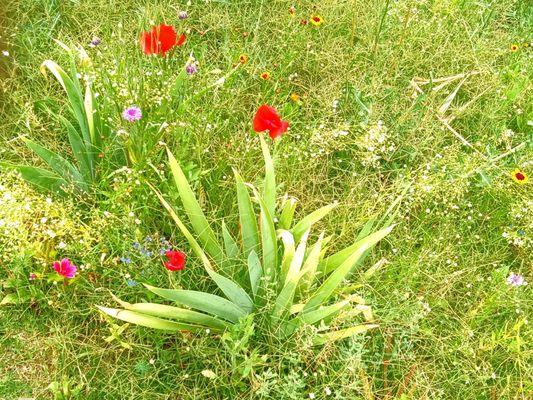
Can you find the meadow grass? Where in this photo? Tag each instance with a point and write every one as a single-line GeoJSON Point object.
{"type": "Point", "coordinates": [371, 82]}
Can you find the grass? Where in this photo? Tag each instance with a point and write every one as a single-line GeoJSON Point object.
{"type": "Point", "coordinates": [450, 327]}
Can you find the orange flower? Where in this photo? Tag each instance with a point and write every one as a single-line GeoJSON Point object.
{"type": "Point", "coordinates": [243, 58]}
{"type": "Point", "coordinates": [265, 76]}
{"type": "Point", "coordinates": [292, 11]}
{"type": "Point", "coordinates": [519, 176]}
{"type": "Point", "coordinates": [295, 97]}
{"type": "Point", "coordinates": [514, 47]}
{"type": "Point", "coordinates": [316, 20]}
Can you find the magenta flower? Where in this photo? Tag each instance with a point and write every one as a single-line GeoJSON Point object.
{"type": "Point", "coordinates": [132, 114]}
{"type": "Point", "coordinates": [65, 268]}
{"type": "Point", "coordinates": [516, 280]}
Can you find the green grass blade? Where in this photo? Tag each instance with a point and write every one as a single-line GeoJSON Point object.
{"type": "Point", "coordinates": [269, 190]}
{"type": "Point", "coordinates": [231, 289]}
{"type": "Point", "coordinates": [324, 292]}
{"type": "Point", "coordinates": [247, 217]}
{"type": "Point", "coordinates": [255, 271]}
{"type": "Point", "coordinates": [196, 216]}
{"type": "Point", "coordinates": [330, 337]}
{"type": "Point", "coordinates": [311, 219]}
{"type": "Point", "coordinates": [206, 302]}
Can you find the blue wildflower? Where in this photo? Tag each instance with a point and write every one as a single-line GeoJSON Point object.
{"type": "Point", "coordinates": [131, 282]}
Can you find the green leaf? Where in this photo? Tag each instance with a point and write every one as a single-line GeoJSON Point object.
{"type": "Point", "coordinates": [74, 94]}
{"type": "Point", "coordinates": [284, 300]}
{"type": "Point", "coordinates": [41, 178]}
{"type": "Point", "coordinates": [232, 250]}
{"type": "Point", "coordinates": [288, 253]}
{"type": "Point", "coordinates": [324, 292]}
{"type": "Point", "coordinates": [247, 218]}
{"type": "Point", "coordinates": [311, 264]}
{"type": "Point", "coordinates": [231, 289]}
{"type": "Point", "coordinates": [329, 264]}
{"type": "Point", "coordinates": [80, 149]}
{"type": "Point", "coordinates": [57, 163]}
{"type": "Point", "coordinates": [287, 213]}
{"type": "Point", "coordinates": [176, 313]}
{"type": "Point", "coordinates": [269, 190]}
{"type": "Point", "coordinates": [149, 321]}
{"type": "Point", "coordinates": [205, 302]}
{"type": "Point", "coordinates": [313, 317]}
{"type": "Point", "coordinates": [298, 259]}
{"type": "Point", "coordinates": [330, 337]}
{"type": "Point", "coordinates": [255, 271]}
{"type": "Point", "coordinates": [194, 212]}
{"type": "Point", "coordinates": [268, 240]}
{"type": "Point", "coordinates": [311, 219]}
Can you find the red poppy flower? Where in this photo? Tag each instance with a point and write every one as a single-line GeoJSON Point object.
{"type": "Point", "coordinates": [176, 260]}
{"type": "Point", "coordinates": [267, 119]}
{"type": "Point", "coordinates": [160, 40]}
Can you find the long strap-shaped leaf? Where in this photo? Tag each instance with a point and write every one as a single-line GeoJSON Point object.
{"type": "Point", "coordinates": [180, 314]}
{"type": "Point", "coordinates": [288, 253]}
{"type": "Point", "coordinates": [198, 220]}
{"type": "Point", "coordinates": [57, 163]}
{"type": "Point", "coordinates": [287, 212]}
{"type": "Point", "coordinates": [324, 292]}
{"type": "Point", "coordinates": [268, 240]}
{"type": "Point", "coordinates": [269, 190]}
{"type": "Point", "coordinates": [231, 289]}
{"type": "Point", "coordinates": [313, 316]}
{"type": "Point", "coordinates": [311, 219]}
{"type": "Point", "coordinates": [39, 177]}
{"type": "Point", "coordinates": [247, 218]}
{"type": "Point", "coordinates": [206, 302]}
{"type": "Point", "coordinates": [330, 337]}
{"type": "Point", "coordinates": [329, 264]}
{"type": "Point", "coordinates": [82, 151]}
{"type": "Point", "coordinates": [232, 250]}
{"type": "Point", "coordinates": [150, 321]}
{"type": "Point", "coordinates": [74, 94]}
{"type": "Point", "coordinates": [255, 271]}
{"type": "Point", "coordinates": [284, 300]}
{"type": "Point", "coordinates": [311, 264]}
{"type": "Point", "coordinates": [298, 259]}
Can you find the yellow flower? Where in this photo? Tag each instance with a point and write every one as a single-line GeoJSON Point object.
{"type": "Point", "coordinates": [519, 176]}
{"type": "Point", "coordinates": [265, 75]}
{"type": "Point", "coordinates": [295, 97]}
{"type": "Point", "coordinates": [243, 58]}
{"type": "Point", "coordinates": [316, 20]}
{"type": "Point", "coordinates": [514, 47]}
{"type": "Point", "coordinates": [526, 45]}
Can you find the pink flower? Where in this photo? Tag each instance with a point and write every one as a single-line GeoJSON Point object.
{"type": "Point", "coordinates": [65, 268]}
{"type": "Point", "coordinates": [516, 280]}
{"type": "Point", "coordinates": [132, 114]}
